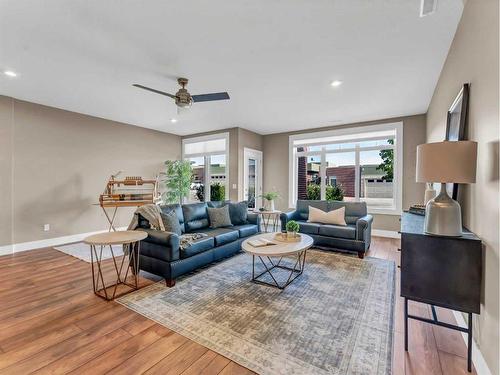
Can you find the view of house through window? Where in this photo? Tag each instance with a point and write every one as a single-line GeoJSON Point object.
{"type": "Point", "coordinates": [350, 167]}
{"type": "Point", "coordinates": [209, 160]}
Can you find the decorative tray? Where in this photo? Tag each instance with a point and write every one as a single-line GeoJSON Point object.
{"type": "Point", "coordinates": [282, 237]}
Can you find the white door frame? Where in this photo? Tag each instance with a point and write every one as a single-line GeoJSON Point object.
{"type": "Point", "coordinates": [249, 153]}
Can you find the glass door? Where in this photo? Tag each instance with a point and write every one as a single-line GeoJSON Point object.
{"type": "Point", "coordinates": [252, 189]}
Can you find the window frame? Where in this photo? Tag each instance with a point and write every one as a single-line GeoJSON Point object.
{"type": "Point", "coordinates": [206, 156]}
{"type": "Point", "coordinates": [398, 160]}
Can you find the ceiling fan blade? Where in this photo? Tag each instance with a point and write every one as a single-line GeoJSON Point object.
{"type": "Point", "coordinates": [155, 91]}
{"type": "Point", "coordinates": [210, 97]}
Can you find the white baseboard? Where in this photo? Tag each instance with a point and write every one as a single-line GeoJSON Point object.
{"type": "Point", "coordinates": [5, 250]}
{"type": "Point", "coordinates": [477, 357]}
{"type": "Point", "coordinates": [49, 242]}
{"type": "Point", "coordinates": [385, 233]}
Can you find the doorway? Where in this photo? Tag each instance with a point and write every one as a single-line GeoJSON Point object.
{"type": "Point", "coordinates": [252, 180]}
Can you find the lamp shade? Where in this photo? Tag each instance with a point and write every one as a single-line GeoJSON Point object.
{"type": "Point", "coordinates": [447, 162]}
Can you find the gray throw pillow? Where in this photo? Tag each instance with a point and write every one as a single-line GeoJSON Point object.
{"type": "Point", "coordinates": [238, 212]}
{"type": "Point", "coordinates": [219, 217]}
{"type": "Point", "coordinates": [171, 222]}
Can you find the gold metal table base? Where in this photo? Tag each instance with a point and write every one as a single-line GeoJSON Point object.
{"type": "Point", "coordinates": [131, 253]}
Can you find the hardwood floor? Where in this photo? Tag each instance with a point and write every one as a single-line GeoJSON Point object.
{"type": "Point", "coordinates": [52, 323]}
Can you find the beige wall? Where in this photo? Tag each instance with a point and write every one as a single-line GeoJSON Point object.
{"type": "Point", "coordinates": [473, 57]}
{"type": "Point", "coordinates": [276, 165]}
{"type": "Point", "coordinates": [60, 164]}
{"type": "Point", "coordinates": [6, 122]}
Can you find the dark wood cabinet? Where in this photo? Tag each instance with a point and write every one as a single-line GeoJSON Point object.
{"type": "Point", "coordinates": [440, 271]}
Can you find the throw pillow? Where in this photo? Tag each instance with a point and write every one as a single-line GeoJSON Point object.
{"type": "Point", "coordinates": [219, 217]}
{"type": "Point", "coordinates": [238, 212]}
{"type": "Point", "coordinates": [171, 222]}
{"type": "Point", "coordinates": [335, 217]}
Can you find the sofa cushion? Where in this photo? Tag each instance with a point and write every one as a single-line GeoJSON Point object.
{"type": "Point", "coordinates": [353, 210]}
{"type": "Point", "coordinates": [171, 223]}
{"type": "Point", "coordinates": [195, 216]}
{"type": "Point", "coordinates": [246, 230]}
{"type": "Point", "coordinates": [303, 207]}
{"type": "Point", "coordinates": [178, 211]}
{"type": "Point", "coordinates": [308, 228]}
{"type": "Point", "coordinates": [217, 204]}
{"type": "Point", "coordinates": [219, 217]}
{"type": "Point", "coordinates": [198, 246]}
{"type": "Point", "coordinates": [238, 212]}
{"type": "Point", "coordinates": [338, 231]}
{"type": "Point", "coordinates": [221, 235]}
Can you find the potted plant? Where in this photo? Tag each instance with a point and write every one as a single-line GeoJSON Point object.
{"type": "Point", "coordinates": [292, 227]}
{"type": "Point", "coordinates": [177, 180]}
{"type": "Point", "coordinates": [269, 200]}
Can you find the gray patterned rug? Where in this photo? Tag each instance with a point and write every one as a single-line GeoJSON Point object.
{"type": "Point", "coordinates": [337, 318]}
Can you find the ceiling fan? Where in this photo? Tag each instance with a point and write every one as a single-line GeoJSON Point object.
{"type": "Point", "coordinates": [183, 99]}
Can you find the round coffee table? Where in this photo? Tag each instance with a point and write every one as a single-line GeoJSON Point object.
{"type": "Point", "coordinates": [130, 239]}
{"type": "Point", "coordinates": [279, 250]}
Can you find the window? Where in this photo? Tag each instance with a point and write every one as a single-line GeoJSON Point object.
{"type": "Point", "coordinates": [209, 157]}
{"type": "Point", "coordinates": [365, 163]}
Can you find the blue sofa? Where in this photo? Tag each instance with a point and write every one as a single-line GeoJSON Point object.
{"type": "Point", "coordinates": [160, 252]}
{"type": "Point", "coordinates": [356, 236]}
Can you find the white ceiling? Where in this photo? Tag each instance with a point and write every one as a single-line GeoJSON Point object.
{"type": "Point", "coordinates": [276, 58]}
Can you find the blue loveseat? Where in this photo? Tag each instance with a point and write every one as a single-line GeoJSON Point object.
{"type": "Point", "coordinates": [356, 236]}
{"type": "Point", "coordinates": [160, 252]}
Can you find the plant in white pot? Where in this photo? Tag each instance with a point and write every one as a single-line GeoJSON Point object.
{"type": "Point", "coordinates": [292, 227]}
{"type": "Point", "coordinates": [269, 199]}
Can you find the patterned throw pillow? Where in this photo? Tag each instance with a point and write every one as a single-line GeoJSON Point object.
{"type": "Point", "coordinates": [238, 212]}
{"type": "Point", "coordinates": [171, 222]}
{"type": "Point", "coordinates": [219, 217]}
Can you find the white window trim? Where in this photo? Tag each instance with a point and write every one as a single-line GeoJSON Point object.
{"type": "Point", "coordinates": [398, 161]}
{"type": "Point", "coordinates": [203, 138]}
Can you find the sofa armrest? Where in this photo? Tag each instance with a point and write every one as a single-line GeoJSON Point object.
{"type": "Point", "coordinates": [364, 229]}
{"type": "Point", "coordinates": [253, 218]}
{"type": "Point", "coordinates": [285, 217]}
{"type": "Point", "coordinates": [169, 240]}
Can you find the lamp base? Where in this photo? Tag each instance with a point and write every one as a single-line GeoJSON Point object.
{"type": "Point", "coordinates": [443, 216]}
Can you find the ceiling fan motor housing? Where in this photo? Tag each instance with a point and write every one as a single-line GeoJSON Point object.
{"type": "Point", "coordinates": [183, 98]}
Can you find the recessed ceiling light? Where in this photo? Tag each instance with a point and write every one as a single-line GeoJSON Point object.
{"type": "Point", "coordinates": [10, 73]}
{"type": "Point", "coordinates": [173, 120]}
{"type": "Point", "coordinates": [336, 83]}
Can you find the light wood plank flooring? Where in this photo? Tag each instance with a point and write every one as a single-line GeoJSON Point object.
{"type": "Point", "coordinates": [51, 323]}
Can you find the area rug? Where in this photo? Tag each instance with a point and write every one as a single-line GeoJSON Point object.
{"type": "Point", "coordinates": [337, 318]}
{"type": "Point", "coordinates": [81, 251]}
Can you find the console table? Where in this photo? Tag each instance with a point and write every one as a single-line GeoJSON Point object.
{"type": "Point", "coordinates": [440, 271]}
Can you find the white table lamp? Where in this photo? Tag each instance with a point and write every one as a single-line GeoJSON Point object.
{"type": "Point", "coordinates": [446, 162]}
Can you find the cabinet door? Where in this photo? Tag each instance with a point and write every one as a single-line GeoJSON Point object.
{"type": "Point", "coordinates": [441, 271]}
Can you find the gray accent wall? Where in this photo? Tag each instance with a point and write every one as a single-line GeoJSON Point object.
{"type": "Point", "coordinates": [473, 58]}
{"type": "Point", "coordinates": [276, 168]}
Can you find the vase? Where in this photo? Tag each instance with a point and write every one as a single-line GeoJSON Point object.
{"type": "Point", "coordinates": [269, 205]}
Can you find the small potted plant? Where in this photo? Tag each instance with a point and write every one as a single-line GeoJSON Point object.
{"type": "Point", "coordinates": [292, 227]}
{"type": "Point", "coordinates": [269, 200]}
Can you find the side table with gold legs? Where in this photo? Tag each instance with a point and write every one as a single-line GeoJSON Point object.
{"type": "Point", "coordinates": [270, 220]}
{"type": "Point", "coordinates": [130, 240]}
